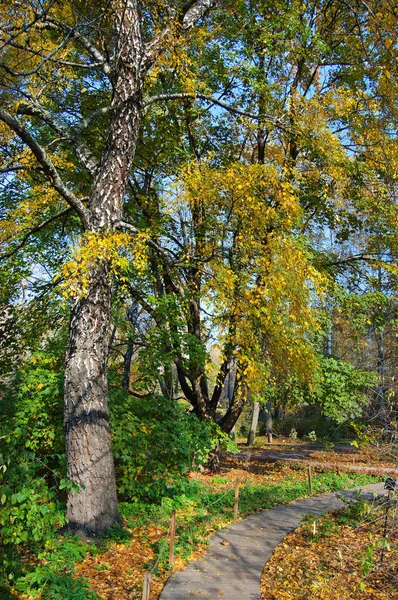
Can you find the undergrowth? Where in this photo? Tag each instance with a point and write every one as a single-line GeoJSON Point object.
{"type": "Point", "coordinates": [203, 508]}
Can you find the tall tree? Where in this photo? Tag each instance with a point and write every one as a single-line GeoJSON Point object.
{"type": "Point", "coordinates": [43, 45]}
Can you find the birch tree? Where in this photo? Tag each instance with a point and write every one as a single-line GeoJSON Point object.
{"type": "Point", "coordinates": [51, 53]}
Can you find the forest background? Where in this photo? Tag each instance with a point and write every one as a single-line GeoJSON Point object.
{"type": "Point", "coordinates": [198, 203]}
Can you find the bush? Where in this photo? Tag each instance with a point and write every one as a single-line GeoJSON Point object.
{"type": "Point", "coordinates": [32, 460]}
{"type": "Point", "coordinates": [154, 445]}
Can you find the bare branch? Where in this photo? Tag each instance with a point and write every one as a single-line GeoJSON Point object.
{"type": "Point", "coordinates": [47, 165]}
{"type": "Point", "coordinates": [93, 51]}
{"type": "Point", "coordinates": [350, 259]}
{"type": "Point", "coordinates": [79, 65]}
{"type": "Point", "coordinates": [85, 42]}
{"type": "Point", "coordinates": [228, 107]}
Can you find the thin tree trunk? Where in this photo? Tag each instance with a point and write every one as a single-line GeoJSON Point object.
{"type": "Point", "coordinates": [132, 315]}
{"type": "Point", "coordinates": [234, 411]}
{"type": "Point", "coordinates": [253, 427]}
{"type": "Point", "coordinates": [127, 366]}
{"type": "Point", "coordinates": [231, 384]}
{"type": "Point", "coordinates": [381, 390]}
{"type": "Point", "coordinates": [166, 383]}
{"type": "Point", "coordinates": [268, 422]}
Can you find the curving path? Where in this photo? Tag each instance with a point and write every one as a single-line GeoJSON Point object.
{"type": "Point", "coordinates": [299, 455]}
{"type": "Point", "coordinates": [234, 561]}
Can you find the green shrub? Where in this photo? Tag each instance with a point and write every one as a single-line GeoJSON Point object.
{"type": "Point", "coordinates": [32, 460]}
{"type": "Point", "coordinates": [53, 575]}
{"type": "Point", "coordinates": [155, 444]}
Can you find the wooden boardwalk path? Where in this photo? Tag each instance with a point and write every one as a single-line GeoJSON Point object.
{"type": "Point", "coordinates": [234, 561]}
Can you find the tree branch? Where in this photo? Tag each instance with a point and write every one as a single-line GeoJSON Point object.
{"type": "Point", "coordinates": [228, 107]}
{"type": "Point", "coordinates": [36, 229]}
{"type": "Point", "coordinates": [85, 42]}
{"type": "Point", "coordinates": [82, 152]}
{"type": "Point", "coordinates": [38, 17]}
{"type": "Point", "coordinates": [183, 380]}
{"type": "Point", "coordinates": [95, 115]}
{"type": "Point", "coordinates": [165, 253]}
{"type": "Point", "coordinates": [185, 96]}
{"type": "Point", "coordinates": [350, 259]}
{"type": "Point", "coordinates": [190, 15]}
{"type": "Point", "coordinates": [48, 167]}
{"type": "Point", "coordinates": [39, 66]}
{"type": "Point", "coordinates": [194, 12]}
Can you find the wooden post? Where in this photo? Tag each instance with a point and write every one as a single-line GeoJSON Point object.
{"type": "Point", "coordinates": [147, 586]}
{"type": "Point", "coordinates": [310, 480]}
{"type": "Point", "coordinates": [172, 537]}
{"type": "Point", "coordinates": [236, 503]}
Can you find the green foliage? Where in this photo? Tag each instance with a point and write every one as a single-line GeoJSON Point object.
{"type": "Point", "coordinates": [354, 511]}
{"type": "Point", "coordinates": [33, 402]}
{"type": "Point", "coordinates": [53, 577]}
{"type": "Point", "coordinates": [368, 557]}
{"type": "Point", "coordinates": [154, 444]}
{"type": "Point", "coordinates": [55, 585]}
{"type": "Point", "coordinates": [302, 422]}
{"type": "Point", "coordinates": [340, 392]}
{"type": "Point", "coordinates": [33, 487]}
{"type": "Point", "coordinates": [168, 333]}
{"type": "Point", "coordinates": [365, 435]}
{"type": "Point", "coordinates": [32, 462]}
{"type": "Point", "coordinates": [311, 436]}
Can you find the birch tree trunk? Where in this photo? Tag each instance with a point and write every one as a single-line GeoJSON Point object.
{"type": "Point", "coordinates": [93, 505]}
{"type": "Point", "coordinates": [90, 463]}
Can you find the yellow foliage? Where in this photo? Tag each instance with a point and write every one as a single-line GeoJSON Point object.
{"type": "Point", "coordinates": [117, 250]}
{"type": "Point", "coordinates": [259, 283]}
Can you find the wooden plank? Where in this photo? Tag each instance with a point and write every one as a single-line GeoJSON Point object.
{"type": "Point", "coordinates": [172, 537]}
{"type": "Point", "coordinates": [236, 502]}
{"type": "Point", "coordinates": [147, 586]}
{"type": "Point", "coordinates": [309, 480]}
